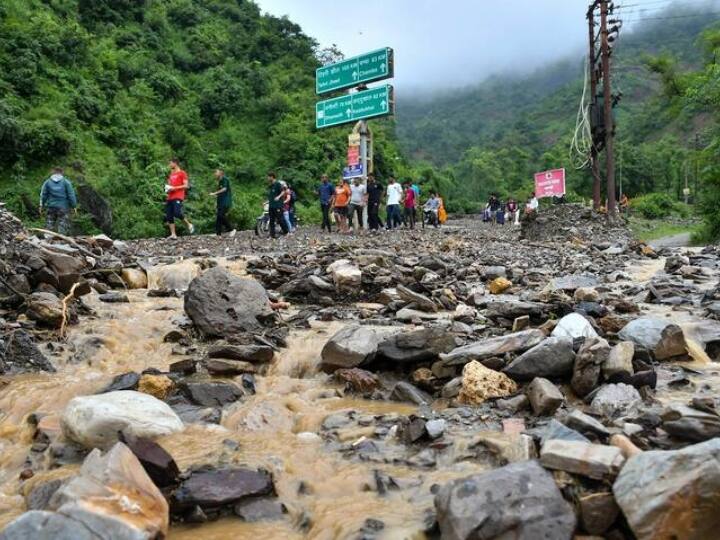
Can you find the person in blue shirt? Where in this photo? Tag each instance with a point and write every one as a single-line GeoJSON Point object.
{"type": "Point", "coordinates": [326, 192]}
{"type": "Point", "coordinates": [57, 198]}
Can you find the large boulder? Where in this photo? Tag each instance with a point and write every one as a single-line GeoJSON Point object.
{"type": "Point", "coordinates": [480, 384]}
{"type": "Point", "coordinates": [672, 494]}
{"type": "Point", "coordinates": [574, 326]}
{"type": "Point", "coordinates": [553, 357]}
{"type": "Point", "coordinates": [94, 421]}
{"type": "Point", "coordinates": [421, 345]}
{"type": "Point", "coordinates": [222, 304]}
{"type": "Point", "coordinates": [645, 332]}
{"type": "Point", "coordinates": [350, 347]}
{"type": "Point", "coordinates": [519, 501]}
{"type": "Point", "coordinates": [497, 346]}
{"type": "Point", "coordinates": [45, 309]}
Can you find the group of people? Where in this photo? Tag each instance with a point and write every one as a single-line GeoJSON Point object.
{"type": "Point", "coordinates": [498, 212]}
{"type": "Point", "coordinates": [346, 202]}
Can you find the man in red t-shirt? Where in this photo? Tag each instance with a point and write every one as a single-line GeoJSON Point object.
{"type": "Point", "coordinates": [176, 189]}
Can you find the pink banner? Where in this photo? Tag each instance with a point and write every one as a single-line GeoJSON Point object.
{"type": "Point", "coordinates": [550, 183]}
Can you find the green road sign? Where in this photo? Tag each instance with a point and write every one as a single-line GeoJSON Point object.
{"type": "Point", "coordinates": [373, 66]}
{"type": "Point", "coordinates": [352, 107]}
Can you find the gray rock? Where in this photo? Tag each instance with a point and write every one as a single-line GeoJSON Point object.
{"type": "Point", "coordinates": [620, 360]}
{"type": "Point", "coordinates": [592, 460]}
{"type": "Point", "coordinates": [255, 354]}
{"type": "Point", "coordinates": [452, 388]}
{"type": "Point", "coordinates": [39, 497]}
{"type": "Point", "coordinates": [598, 511]}
{"type": "Point", "coordinates": [544, 396]}
{"type": "Point", "coordinates": [260, 509]}
{"type": "Point", "coordinates": [553, 357]}
{"type": "Point", "coordinates": [512, 309]}
{"type": "Point", "coordinates": [227, 368]}
{"type": "Point", "coordinates": [215, 488]}
{"type": "Point", "coordinates": [19, 354]}
{"type": "Point", "coordinates": [211, 394]}
{"type": "Point", "coordinates": [350, 347]}
{"type": "Point", "coordinates": [41, 525]}
{"type": "Point", "coordinates": [435, 428]}
{"type": "Point", "coordinates": [407, 315]}
{"type": "Point", "coordinates": [588, 364]}
{"type": "Point", "coordinates": [404, 391]}
{"type": "Point", "coordinates": [422, 301]}
{"type": "Point", "coordinates": [513, 404]}
{"type": "Point", "coordinates": [45, 308]}
{"type": "Point", "coordinates": [645, 332]}
{"type": "Point", "coordinates": [672, 494]}
{"type": "Point", "coordinates": [222, 304]}
{"type": "Point", "coordinates": [497, 346]}
{"type": "Point", "coordinates": [572, 282]}
{"type": "Point", "coordinates": [585, 424]}
{"type": "Point", "coordinates": [114, 297]}
{"type": "Point", "coordinates": [612, 399]}
{"type": "Point", "coordinates": [690, 424]}
{"type": "Point", "coordinates": [672, 344]}
{"type": "Point", "coordinates": [556, 430]}
{"type": "Point", "coordinates": [519, 501]}
{"type": "Point", "coordinates": [574, 326]}
{"type": "Point", "coordinates": [423, 345]}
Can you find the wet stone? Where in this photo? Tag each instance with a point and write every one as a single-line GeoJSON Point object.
{"type": "Point", "coordinates": [158, 464]}
{"type": "Point", "coordinates": [186, 366]}
{"type": "Point", "coordinates": [404, 391]}
{"type": "Point", "coordinates": [247, 353]}
{"type": "Point", "coordinates": [114, 298]}
{"type": "Point", "coordinates": [591, 460]}
{"type": "Point", "coordinates": [39, 496]}
{"type": "Point", "coordinates": [260, 509]}
{"type": "Point", "coordinates": [357, 380]}
{"type": "Point", "coordinates": [211, 394]}
{"type": "Point", "coordinates": [215, 488]}
{"type": "Point", "coordinates": [227, 368]}
{"type": "Point", "coordinates": [598, 512]}
{"type": "Point", "coordinates": [125, 381]}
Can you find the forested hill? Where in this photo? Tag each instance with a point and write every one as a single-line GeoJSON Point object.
{"type": "Point", "coordinates": [495, 135]}
{"type": "Point", "coordinates": [110, 89]}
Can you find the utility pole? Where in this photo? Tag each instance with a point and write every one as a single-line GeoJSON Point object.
{"type": "Point", "coordinates": [607, 97]}
{"type": "Point", "coordinates": [364, 161]}
{"type": "Point", "coordinates": [594, 164]}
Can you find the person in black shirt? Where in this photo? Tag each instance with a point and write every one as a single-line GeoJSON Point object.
{"type": "Point", "coordinates": [374, 194]}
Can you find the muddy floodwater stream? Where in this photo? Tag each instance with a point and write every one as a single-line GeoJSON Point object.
{"type": "Point", "coordinates": [327, 494]}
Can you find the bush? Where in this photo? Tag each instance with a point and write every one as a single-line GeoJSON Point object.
{"type": "Point", "coordinates": [658, 205]}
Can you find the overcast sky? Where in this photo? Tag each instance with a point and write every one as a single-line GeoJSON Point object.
{"type": "Point", "coordinates": [446, 43]}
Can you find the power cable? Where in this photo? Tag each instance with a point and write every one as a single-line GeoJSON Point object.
{"type": "Point", "coordinates": [581, 143]}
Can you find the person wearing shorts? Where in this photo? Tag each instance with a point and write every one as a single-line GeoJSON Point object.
{"type": "Point", "coordinates": [339, 203]}
{"type": "Point", "coordinates": [176, 189]}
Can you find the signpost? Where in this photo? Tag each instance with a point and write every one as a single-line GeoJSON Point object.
{"type": "Point", "coordinates": [550, 183]}
{"type": "Point", "coordinates": [352, 107]}
{"type": "Point", "coordinates": [353, 171]}
{"type": "Point", "coordinates": [352, 72]}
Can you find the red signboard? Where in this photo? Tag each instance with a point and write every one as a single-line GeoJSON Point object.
{"type": "Point", "coordinates": [353, 155]}
{"type": "Point", "coordinates": [550, 183]}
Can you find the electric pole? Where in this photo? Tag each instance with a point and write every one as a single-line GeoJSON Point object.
{"type": "Point", "coordinates": [594, 165]}
{"type": "Point", "coordinates": [607, 98]}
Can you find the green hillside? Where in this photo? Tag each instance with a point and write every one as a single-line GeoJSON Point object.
{"type": "Point", "coordinates": [495, 136]}
{"type": "Point", "coordinates": [111, 89]}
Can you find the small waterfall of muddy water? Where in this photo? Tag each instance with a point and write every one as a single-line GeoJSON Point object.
{"type": "Point", "coordinates": [270, 428]}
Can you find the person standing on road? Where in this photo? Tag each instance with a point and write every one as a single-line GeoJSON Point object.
{"type": "Point", "coordinates": [287, 204]}
{"type": "Point", "coordinates": [374, 194]}
{"type": "Point", "coordinates": [394, 196]}
{"type": "Point", "coordinates": [358, 200]}
{"type": "Point", "coordinates": [409, 203]}
{"type": "Point", "coordinates": [275, 204]}
{"type": "Point", "coordinates": [325, 192]}
{"type": "Point", "coordinates": [176, 189]}
{"type": "Point", "coordinates": [340, 202]}
{"type": "Point", "coordinates": [223, 198]}
{"type": "Point", "coordinates": [57, 198]}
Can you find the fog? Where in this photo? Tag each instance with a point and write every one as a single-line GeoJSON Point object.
{"type": "Point", "coordinates": [453, 43]}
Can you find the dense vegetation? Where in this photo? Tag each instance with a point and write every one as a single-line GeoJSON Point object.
{"type": "Point", "coordinates": [495, 136]}
{"type": "Point", "coordinates": [111, 89]}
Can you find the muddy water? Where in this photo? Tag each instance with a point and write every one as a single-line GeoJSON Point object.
{"type": "Point", "coordinates": [327, 495]}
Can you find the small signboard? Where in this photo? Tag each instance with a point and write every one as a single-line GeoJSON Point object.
{"type": "Point", "coordinates": [550, 183]}
{"type": "Point", "coordinates": [353, 171]}
{"type": "Point", "coordinates": [353, 155]}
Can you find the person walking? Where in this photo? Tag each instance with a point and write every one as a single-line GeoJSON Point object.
{"type": "Point", "coordinates": [325, 192]}
{"type": "Point", "coordinates": [340, 202]}
{"type": "Point", "coordinates": [409, 204]}
{"type": "Point", "coordinates": [275, 205]}
{"type": "Point", "coordinates": [287, 203]}
{"type": "Point", "coordinates": [223, 198]}
{"type": "Point", "coordinates": [176, 189]}
{"type": "Point", "coordinates": [394, 196]}
{"type": "Point", "coordinates": [374, 194]}
{"type": "Point", "coordinates": [358, 200]}
{"type": "Point", "coordinates": [57, 198]}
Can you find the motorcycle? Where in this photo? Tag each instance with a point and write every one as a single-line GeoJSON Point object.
{"type": "Point", "coordinates": [262, 223]}
{"type": "Point", "coordinates": [430, 217]}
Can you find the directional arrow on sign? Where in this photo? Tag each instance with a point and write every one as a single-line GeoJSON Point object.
{"type": "Point", "coordinates": [355, 74]}
{"type": "Point", "coordinates": [382, 104]}
{"type": "Point", "coordinates": [348, 112]}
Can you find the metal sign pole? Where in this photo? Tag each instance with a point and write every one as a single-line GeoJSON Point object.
{"type": "Point", "coordinates": [364, 162]}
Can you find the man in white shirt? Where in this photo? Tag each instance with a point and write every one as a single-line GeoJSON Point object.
{"type": "Point", "coordinates": [394, 196]}
{"type": "Point", "coordinates": [358, 199]}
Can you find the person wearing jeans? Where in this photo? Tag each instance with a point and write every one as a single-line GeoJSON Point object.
{"type": "Point", "coordinates": [275, 205]}
{"type": "Point", "coordinates": [358, 199]}
{"type": "Point", "coordinates": [394, 196]}
{"type": "Point", "coordinates": [326, 192]}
